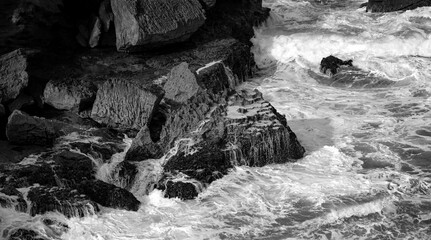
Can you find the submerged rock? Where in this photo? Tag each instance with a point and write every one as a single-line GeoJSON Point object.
{"type": "Point", "coordinates": [109, 195]}
{"type": "Point", "coordinates": [13, 74]}
{"type": "Point", "coordinates": [25, 129]}
{"type": "Point", "coordinates": [139, 23]}
{"type": "Point", "coordinates": [68, 202]}
{"type": "Point", "coordinates": [125, 104]}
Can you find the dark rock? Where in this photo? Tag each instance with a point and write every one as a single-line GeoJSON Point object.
{"type": "Point", "coordinates": [13, 199]}
{"type": "Point", "coordinates": [143, 147]}
{"type": "Point", "coordinates": [66, 201]}
{"type": "Point", "coordinates": [333, 64]}
{"type": "Point", "coordinates": [125, 104]}
{"type": "Point", "coordinates": [13, 74]}
{"type": "Point", "coordinates": [155, 23]}
{"type": "Point", "coordinates": [106, 15]}
{"type": "Point", "coordinates": [2, 111]}
{"type": "Point", "coordinates": [109, 195]}
{"type": "Point", "coordinates": [123, 175]}
{"type": "Point", "coordinates": [23, 100]}
{"type": "Point", "coordinates": [181, 190]}
{"type": "Point", "coordinates": [395, 5]}
{"type": "Point", "coordinates": [25, 234]}
{"type": "Point", "coordinates": [55, 226]}
{"type": "Point", "coordinates": [102, 151]}
{"type": "Point", "coordinates": [70, 93]}
{"type": "Point", "coordinates": [207, 4]}
{"type": "Point", "coordinates": [25, 129]}
{"type": "Point", "coordinates": [215, 79]}
{"type": "Point", "coordinates": [19, 176]}
{"type": "Point", "coordinates": [72, 168]}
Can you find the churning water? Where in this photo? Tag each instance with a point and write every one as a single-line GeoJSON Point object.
{"type": "Point", "coordinates": [367, 171]}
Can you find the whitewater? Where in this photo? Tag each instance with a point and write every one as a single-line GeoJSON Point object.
{"type": "Point", "coordinates": [367, 170]}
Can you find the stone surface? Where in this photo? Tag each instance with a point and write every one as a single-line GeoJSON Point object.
{"type": "Point", "coordinates": [181, 84]}
{"type": "Point", "coordinates": [330, 65]}
{"type": "Point", "coordinates": [11, 197]}
{"type": "Point", "coordinates": [19, 176]}
{"type": "Point", "coordinates": [24, 129]}
{"type": "Point", "coordinates": [143, 147]}
{"type": "Point", "coordinates": [395, 5]}
{"type": "Point", "coordinates": [181, 190]}
{"type": "Point", "coordinates": [106, 15]}
{"type": "Point", "coordinates": [68, 202]}
{"type": "Point", "coordinates": [109, 195]}
{"type": "Point", "coordinates": [24, 234]}
{"type": "Point", "coordinates": [13, 74]}
{"type": "Point", "coordinates": [157, 22]}
{"type": "Point", "coordinates": [70, 93]}
{"type": "Point", "coordinates": [96, 32]}
{"type": "Point", "coordinates": [103, 151]}
{"type": "Point", "coordinates": [72, 168]}
{"type": "Point", "coordinates": [125, 104]}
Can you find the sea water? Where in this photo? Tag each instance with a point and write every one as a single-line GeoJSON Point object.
{"type": "Point", "coordinates": [367, 169]}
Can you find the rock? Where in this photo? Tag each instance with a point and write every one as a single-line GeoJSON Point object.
{"type": "Point", "coordinates": [56, 227]}
{"type": "Point", "coordinates": [72, 168]}
{"type": "Point", "coordinates": [395, 5]}
{"type": "Point", "coordinates": [181, 190]}
{"type": "Point", "coordinates": [181, 84]}
{"type": "Point", "coordinates": [214, 78]}
{"type": "Point", "coordinates": [109, 195]}
{"type": "Point", "coordinates": [208, 3]}
{"type": "Point", "coordinates": [123, 175]}
{"type": "Point", "coordinates": [125, 104]}
{"type": "Point", "coordinates": [12, 198]}
{"type": "Point", "coordinates": [333, 64]}
{"type": "Point", "coordinates": [66, 201]}
{"type": "Point", "coordinates": [103, 151]}
{"type": "Point", "coordinates": [70, 93]}
{"type": "Point", "coordinates": [96, 32]}
{"type": "Point", "coordinates": [23, 100]}
{"type": "Point", "coordinates": [25, 234]}
{"type": "Point", "coordinates": [24, 129]}
{"type": "Point", "coordinates": [2, 111]}
{"type": "Point", "coordinates": [143, 147]}
{"type": "Point", "coordinates": [106, 15]}
{"type": "Point", "coordinates": [19, 176]}
{"type": "Point", "coordinates": [141, 23]}
{"type": "Point", "coordinates": [13, 74]}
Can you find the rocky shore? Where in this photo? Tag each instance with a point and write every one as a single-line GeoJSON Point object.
{"type": "Point", "coordinates": [76, 77]}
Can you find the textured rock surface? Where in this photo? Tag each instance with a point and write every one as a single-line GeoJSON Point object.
{"type": "Point", "coordinates": [24, 234]}
{"type": "Point", "coordinates": [330, 65]}
{"type": "Point", "coordinates": [13, 74]}
{"type": "Point", "coordinates": [143, 147]}
{"type": "Point", "coordinates": [181, 84]}
{"type": "Point", "coordinates": [109, 195]}
{"type": "Point", "coordinates": [12, 198]}
{"type": "Point", "coordinates": [70, 93]}
{"type": "Point", "coordinates": [156, 22]}
{"type": "Point", "coordinates": [72, 168]}
{"type": "Point", "coordinates": [124, 104]}
{"type": "Point", "coordinates": [24, 129]}
{"type": "Point", "coordinates": [395, 5]}
{"type": "Point", "coordinates": [66, 201]}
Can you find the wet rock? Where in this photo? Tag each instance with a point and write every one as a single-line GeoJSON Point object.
{"type": "Point", "coordinates": [19, 176]}
{"type": "Point", "coordinates": [181, 190]}
{"type": "Point", "coordinates": [261, 133]}
{"type": "Point", "coordinates": [66, 201]}
{"type": "Point", "coordinates": [143, 147]}
{"type": "Point", "coordinates": [125, 104]}
{"type": "Point", "coordinates": [208, 3]}
{"type": "Point", "coordinates": [12, 198]}
{"type": "Point", "coordinates": [155, 23]}
{"type": "Point", "coordinates": [395, 5]}
{"type": "Point", "coordinates": [23, 100]}
{"type": "Point", "coordinates": [181, 84]}
{"type": "Point", "coordinates": [215, 78]}
{"type": "Point", "coordinates": [25, 234]}
{"type": "Point", "coordinates": [123, 175]}
{"type": "Point", "coordinates": [109, 195]}
{"type": "Point", "coordinates": [72, 168]}
{"type": "Point", "coordinates": [55, 226]}
{"type": "Point", "coordinates": [332, 64]}
{"type": "Point", "coordinates": [25, 129]}
{"type": "Point", "coordinates": [103, 151]}
{"type": "Point", "coordinates": [70, 93]}
{"type": "Point", "coordinates": [13, 74]}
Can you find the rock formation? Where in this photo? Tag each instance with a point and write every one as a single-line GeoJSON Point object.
{"type": "Point", "coordinates": [13, 75]}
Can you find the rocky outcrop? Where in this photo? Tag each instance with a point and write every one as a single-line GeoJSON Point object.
{"type": "Point", "coordinates": [13, 74]}
{"type": "Point", "coordinates": [330, 65]}
{"type": "Point", "coordinates": [181, 84]}
{"type": "Point", "coordinates": [395, 5]}
{"type": "Point", "coordinates": [125, 104]}
{"type": "Point", "coordinates": [155, 23]}
{"type": "Point", "coordinates": [109, 195]}
{"type": "Point", "coordinates": [70, 93]}
{"type": "Point", "coordinates": [25, 129]}
{"type": "Point", "coordinates": [143, 147]}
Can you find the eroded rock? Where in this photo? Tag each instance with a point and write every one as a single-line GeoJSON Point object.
{"type": "Point", "coordinates": [139, 23]}
{"type": "Point", "coordinates": [330, 65]}
{"type": "Point", "coordinates": [143, 147]}
{"type": "Point", "coordinates": [13, 74]}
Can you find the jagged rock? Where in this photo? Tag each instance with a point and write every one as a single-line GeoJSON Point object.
{"type": "Point", "coordinates": [109, 195]}
{"type": "Point", "coordinates": [181, 190]}
{"type": "Point", "coordinates": [102, 151]}
{"type": "Point", "coordinates": [181, 84]}
{"type": "Point", "coordinates": [143, 147]}
{"type": "Point", "coordinates": [25, 234]}
{"type": "Point", "coordinates": [395, 5]}
{"type": "Point", "coordinates": [333, 64]}
{"type": "Point", "coordinates": [96, 32]}
{"type": "Point", "coordinates": [23, 100]}
{"type": "Point", "coordinates": [24, 129]}
{"type": "Point", "coordinates": [123, 175]}
{"type": "Point", "coordinates": [215, 78]}
{"type": "Point", "coordinates": [13, 198]}
{"type": "Point", "coordinates": [68, 202]}
{"type": "Point", "coordinates": [259, 131]}
{"type": "Point", "coordinates": [70, 93]}
{"type": "Point", "coordinates": [125, 104]}
{"type": "Point", "coordinates": [72, 168]}
{"type": "Point", "coordinates": [19, 176]}
{"type": "Point", "coordinates": [159, 22]}
{"type": "Point", "coordinates": [13, 74]}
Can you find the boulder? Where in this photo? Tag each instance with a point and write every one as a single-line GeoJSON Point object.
{"type": "Point", "coordinates": [143, 147]}
{"type": "Point", "coordinates": [103, 151]}
{"type": "Point", "coordinates": [66, 201]}
{"type": "Point", "coordinates": [125, 104]}
{"type": "Point", "coordinates": [140, 23]}
{"type": "Point", "coordinates": [109, 195]}
{"type": "Point", "coordinates": [72, 168]}
{"type": "Point", "coordinates": [181, 84]}
{"type": "Point", "coordinates": [13, 74]}
{"type": "Point", "coordinates": [395, 5]}
{"type": "Point", "coordinates": [25, 129]}
{"type": "Point", "coordinates": [24, 234]}
{"type": "Point", "coordinates": [179, 189]}
{"type": "Point", "coordinates": [70, 93]}
{"type": "Point", "coordinates": [331, 65]}
{"type": "Point", "coordinates": [19, 176]}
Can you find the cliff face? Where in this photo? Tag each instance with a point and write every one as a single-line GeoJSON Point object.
{"type": "Point", "coordinates": [176, 99]}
